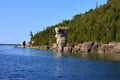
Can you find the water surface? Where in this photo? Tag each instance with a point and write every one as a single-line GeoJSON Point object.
{"type": "Point", "coordinates": [34, 64]}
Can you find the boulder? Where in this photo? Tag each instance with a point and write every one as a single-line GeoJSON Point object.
{"type": "Point", "coordinates": [68, 48]}
{"type": "Point", "coordinates": [116, 49]}
{"type": "Point", "coordinates": [54, 46]}
{"type": "Point", "coordinates": [44, 47]}
{"type": "Point", "coordinates": [106, 48]}
{"type": "Point", "coordinates": [109, 48]}
{"type": "Point", "coordinates": [95, 47]}
{"type": "Point", "coordinates": [101, 49]}
{"type": "Point", "coordinates": [77, 48]}
{"type": "Point", "coordinates": [86, 47]}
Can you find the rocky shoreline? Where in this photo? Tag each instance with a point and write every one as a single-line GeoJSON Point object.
{"type": "Point", "coordinates": [94, 47]}
{"type": "Point", "coordinates": [86, 47]}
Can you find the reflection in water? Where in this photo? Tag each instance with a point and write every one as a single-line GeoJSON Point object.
{"type": "Point", "coordinates": [59, 54]}
{"type": "Point", "coordinates": [93, 56]}
{"type": "Point", "coordinates": [58, 68]}
{"type": "Point", "coordinates": [114, 57]}
{"type": "Point", "coordinates": [58, 72]}
{"type": "Point", "coordinates": [97, 68]}
{"type": "Point", "coordinates": [37, 52]}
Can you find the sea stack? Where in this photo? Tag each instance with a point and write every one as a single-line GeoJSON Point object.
{"type": "Point", "coordinates": [61, 37]}
{"type": "Point", "coordinates": [23, 44]}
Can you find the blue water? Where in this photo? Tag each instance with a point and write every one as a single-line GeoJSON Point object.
{"type": "Point", "coordinates": [33, 64]}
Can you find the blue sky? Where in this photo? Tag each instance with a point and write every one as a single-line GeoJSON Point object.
{"type": "Point", "coordinates": [19, 17]}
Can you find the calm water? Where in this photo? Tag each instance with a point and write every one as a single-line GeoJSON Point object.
{"type": "Point", "coordinates": [33, 64]}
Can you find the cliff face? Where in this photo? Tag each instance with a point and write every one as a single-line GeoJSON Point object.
{"type": "Point", "coordinates": [94, 47]}
{"type": "Point", "coordinates": [86, 47]}
{"type": "Point", "coordinates": [99, 25]}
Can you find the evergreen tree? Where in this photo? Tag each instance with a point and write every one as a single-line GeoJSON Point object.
{"type": "Point", "coordinates": [31, 34]}
{"type": "Point", "coordinates": [101, 25]}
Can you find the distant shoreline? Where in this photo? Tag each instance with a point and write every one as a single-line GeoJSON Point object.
{"type": "Point", "coordinates": [9, 44]}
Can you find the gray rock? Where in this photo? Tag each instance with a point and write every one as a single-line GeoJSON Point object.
{"type": "Point", "coordinates": [61, 36]}
{"type": "Point", "coordinates": [95, 47]}
{"type": "Point", "coordinates": [109, 48]}
{"type": "Point", "coordinates": [116, 49]}
{"type": "Point", "coordinates": [106, 48]}
{"type": "Point", "coordinates": [101, 49]}
{"type": "Point", "coordinates": [67, 49]}
{"type": "Point", "coordinates": [77, 48]}
{"type": "Point", "coordinates": [54, 47]}
{"type": "Point", "coordinates": [87, 46]}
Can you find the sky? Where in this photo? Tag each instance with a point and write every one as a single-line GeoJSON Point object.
{"type": "Point", "coordinates": [19, 17]}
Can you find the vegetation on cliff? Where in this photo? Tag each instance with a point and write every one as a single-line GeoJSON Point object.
{"type": "Point", "coordinates": [100, 25]}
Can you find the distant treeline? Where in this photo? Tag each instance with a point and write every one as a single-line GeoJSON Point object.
{"type": "Point", "coordinates": [100, 25]}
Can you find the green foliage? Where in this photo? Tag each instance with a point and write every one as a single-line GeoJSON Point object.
{"type": "Point", "coordinates": [31, 34]}
{"type": "Point", "coordinates": [101, 25]}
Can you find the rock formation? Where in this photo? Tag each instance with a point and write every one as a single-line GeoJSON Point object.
{"type": "Point", "coordinates": [23, 44]}
{"type": "Point", "coordinates": [86, 47]}
{"type": "Point", "coordinates": [93, 47]}
{"type": "Point", "coordinates": [61, 36]}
